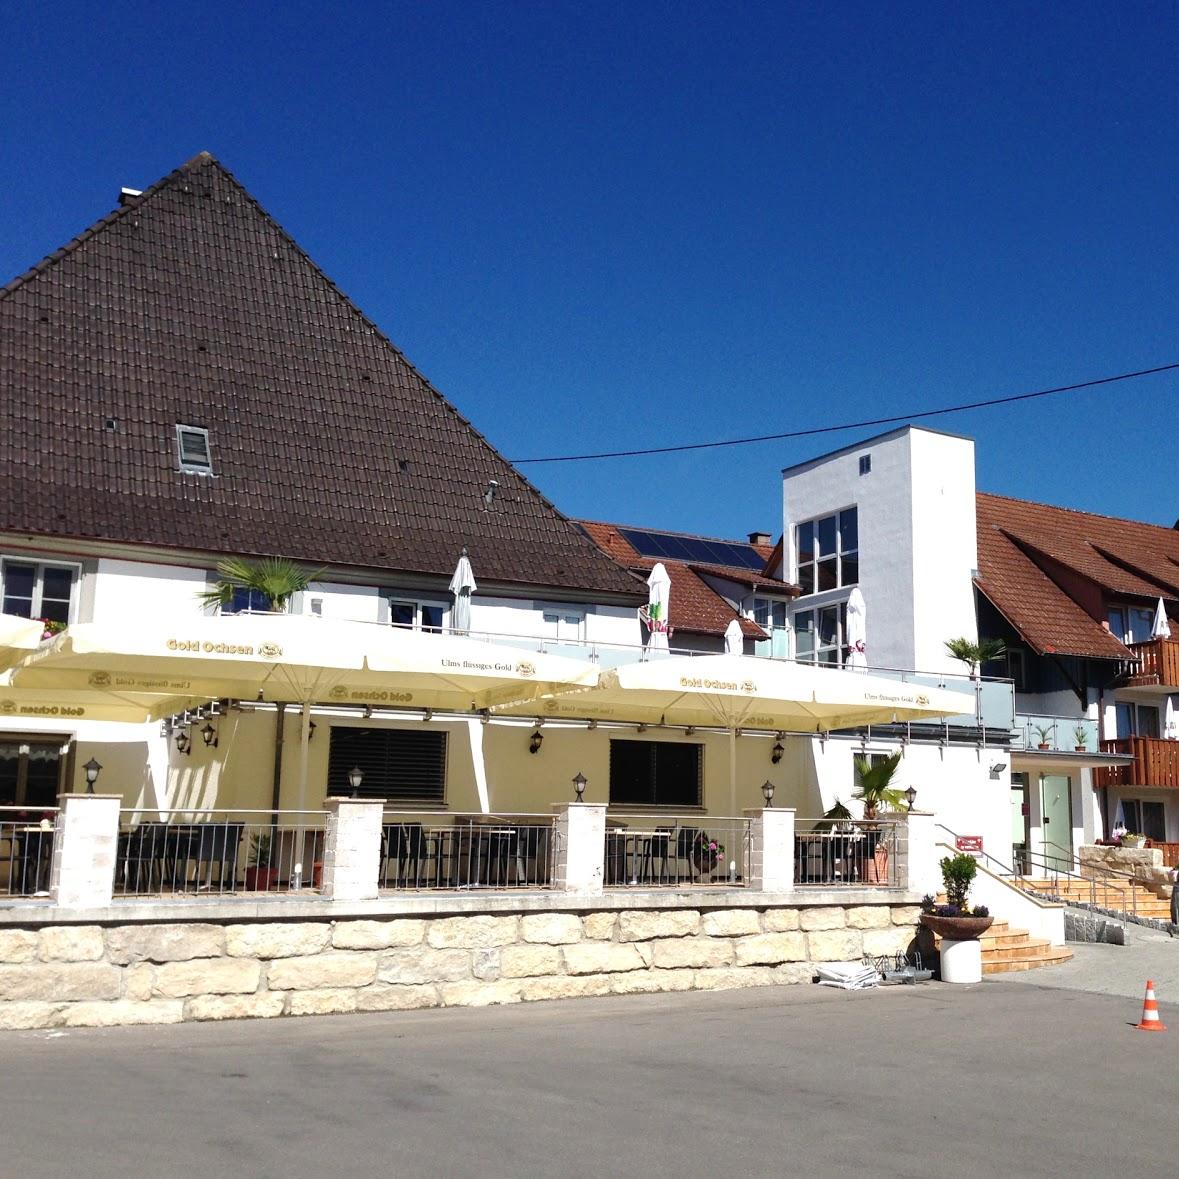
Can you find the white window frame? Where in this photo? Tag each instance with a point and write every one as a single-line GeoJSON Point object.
{"type": "Point", "coordinates": [187, 465]}
{"type": "Point", "coordinates": [416, 604]}
{"type": "Point", "coordinates": [817, 556]}
{"type": "Point", "coordinates": [554, 615]}
{"type": "Point", "coordinates": [839, 646]}
{"type": "Point", "coordinates": [40, 566]}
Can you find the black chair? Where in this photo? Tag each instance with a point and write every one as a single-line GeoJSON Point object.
{"type": "Point", "coordinates": [141, 857]}
{"type": "Point", "coordinates": [532, 856]}
{"type": "Point", "coordinates": [215, 843]}
{"type": "Point", "coordinates": [402, 845]}
{"type": "Point", "coordinates": [616, 855]}
{"type": "Point", "coordinates": [686, 845]}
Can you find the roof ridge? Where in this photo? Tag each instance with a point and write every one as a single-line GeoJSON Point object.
{"type": "Point", "coordinates": [1035, 503]}
{"type": "Point", "coordinates": [668, 532]}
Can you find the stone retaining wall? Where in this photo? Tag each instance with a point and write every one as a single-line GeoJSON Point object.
{"type": "Point", "coordinates": [101, 975]}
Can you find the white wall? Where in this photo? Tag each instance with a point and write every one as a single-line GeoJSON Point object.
{"type": "Point", "coordinates": [140, 592]}
{"type": "Point", "coordinates": [917, 536]}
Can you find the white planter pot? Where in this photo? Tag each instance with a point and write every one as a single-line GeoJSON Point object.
{"type": "Point", "coordinates": [961, 961]}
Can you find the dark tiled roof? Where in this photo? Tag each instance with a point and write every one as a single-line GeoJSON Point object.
{"type": "Point", "coordinates": [694, 606]}
{"type": "Point", "coordinates": [1021, 543]}
{"type": "Point", "coordinates": [191, 305]}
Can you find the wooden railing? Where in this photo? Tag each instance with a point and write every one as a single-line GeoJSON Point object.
{"type": "Point", "coordinates": [1158, 663]}
{"type": "Point", "coordinates": [1170, 852]}
{"type": "Point", "coordinates": [1156, 763]}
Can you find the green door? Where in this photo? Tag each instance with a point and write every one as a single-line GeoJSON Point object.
{"type": "Point", "coordinates": [1057, 814]}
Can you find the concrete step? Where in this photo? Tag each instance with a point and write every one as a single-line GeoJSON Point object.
{"type": "Point", "coordinates": [1053, 956]}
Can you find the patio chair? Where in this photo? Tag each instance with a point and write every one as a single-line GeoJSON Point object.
{"type": "Point", "coordinates": [685, 849]}
{"type": "Point", "coordinates": [141, 854]}
{"type": "Point", "coordinates": [216, 844]}
{"type": "Point", "coordinates": [403, 845]}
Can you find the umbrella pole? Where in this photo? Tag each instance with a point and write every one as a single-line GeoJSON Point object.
{"type": "Point", "coordinates": [276, 787]}
{"type": "Point", "coordinates": [304, 742]}
{"type": "Point", "coordinates": [733, 773]}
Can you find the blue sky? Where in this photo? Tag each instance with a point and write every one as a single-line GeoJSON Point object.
{"type": "Point", "coordinates": [599, 226]}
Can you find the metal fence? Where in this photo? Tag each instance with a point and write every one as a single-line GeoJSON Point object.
{"type": "Point", "coordinates": [860, 853]}
{"type": "Point", "coordinates": [423, 850]}
{"type": "Point", "coordinates": [657, 851]}
{"type": "Point", "coordinates": [222, 852]}
{"type": "Point", "coordinates": [26, 850]}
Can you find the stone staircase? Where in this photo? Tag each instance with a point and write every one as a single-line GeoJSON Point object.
{"type": "Point", "coordinates": [1005, 950]}
{"type": "Point", "coordinates": [1125, 896]}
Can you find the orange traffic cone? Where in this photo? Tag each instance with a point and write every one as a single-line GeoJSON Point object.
{"type": "Point", "coordinates": [1150, 1012]}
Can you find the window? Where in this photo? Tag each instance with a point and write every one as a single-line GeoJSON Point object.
{"type": "Point", "coordinates": [828, 552]}
{"type": "Point", "coordinates": [37, 590]}
{"type": "Point", "coordinates": [865, 464]}
{"type": "Point", "coordinates": [402, 765]}
{"type": "Point", "coordinates": [769, 614]}
{"type": "Point", "coordinates": [1131, 624]}
{"type": "Point", "coordinates": [655, 773]}
{"type": "Point", "coordinates": [414, 615]}
{"type": "Point", "coordinates": [818, 634]}
{"type": "Point", "coordinates": [1136, 720]}
{"type": "Point", "coordinates": [1144, 818]}
{"type": "Point", "coordinates": [1017, 668]}
{"type": "Point", "coordinates": [564, 625]}
{"type": "Point", "coordinates": [31, 771]}
{"type": "Point", "coordinates": [246, 599]}
{"type": "Point", "coordinates": [192, 448]}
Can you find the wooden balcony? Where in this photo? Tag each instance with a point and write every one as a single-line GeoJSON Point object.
{"type": "Point", "coordinates": [1157, 665]}
{"type": "Point", "coordinates": [1156, 763]}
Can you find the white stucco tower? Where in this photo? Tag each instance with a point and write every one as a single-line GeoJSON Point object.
{"type": "Point", "coordinates": [895, 515]}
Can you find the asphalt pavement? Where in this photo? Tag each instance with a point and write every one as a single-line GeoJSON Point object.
{"type": "Point", "coordinates": [997, 1078]}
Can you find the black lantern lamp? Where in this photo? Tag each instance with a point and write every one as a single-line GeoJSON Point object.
{"type": "Point", "coordinates": [911, 796]}
{"type": "Point", "coordinates": [355, 777]}
{"type": "Point", "coordinates": [209, 735]}
{"type": "Point", "coordinates": [767, 792]}
{"type": "Point", "coordinates": [776, 752]}
{"type": "Point", "coordinates": [579, 785]}
{"type": "Point", "coordinates": [535, 741]}
{"type": "Point", "coordinates": [183, 741]}
{"type": "Point", "coordinates": [93, 768]}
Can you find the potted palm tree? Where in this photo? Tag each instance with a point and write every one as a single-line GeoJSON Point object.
{"type": "Point", "coordinates": [975, 654]}
{"type": "Point", "coordinates": [260, 873]}
{"type": "Point", "coordinates": [877, 793]}
{"type": "Point", "coordinates": [275, 578]}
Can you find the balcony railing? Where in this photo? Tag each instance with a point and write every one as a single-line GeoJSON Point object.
{"type": "Point", "coordinates": [1156, 763]}
{"type": "Point", "coordinates": [1055, 734]}
{"type": "Point", "coordinates": [1157, 662]}
{"type": "Point", "coordinates": [26, 850]}
{"type": "Point", "coordinates": [662, 851]}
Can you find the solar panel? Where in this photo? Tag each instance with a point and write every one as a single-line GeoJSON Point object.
{"type": "Point", "coordinates": [692, 548]}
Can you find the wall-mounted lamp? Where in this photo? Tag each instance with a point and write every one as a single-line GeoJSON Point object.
{"type": "Point", "coordinates": [183, 741]}
{"type": "Point", "coordinates": [355, 777]}
{"type": "Point", "coordinates": [311, 730]}
{"type": "Point", "coordinates": [776, 752]}
{"type": "Point", "coordinates": [911, 796]}
{"type": "Point", "coordinates": [535, 741]}
{"type": "Point", "coordinates": [997, 769]}
{"type": "Point", "coordinates": [767, 792]}
{"type": "Point", "coordinates": [579, 785]}
{"type": "Point", "coordinates": [368, 711]}
{"type": "Point", "coordinates": [209, 736]}
{"type": "Point", "coordinates": [93, 768]}
{"type": "Point", "coordinates": [689, 730]}
{"type": "Point", "coordinates": [428, 715]}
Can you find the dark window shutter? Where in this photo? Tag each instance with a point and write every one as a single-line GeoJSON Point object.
{"type": "Point", "coordinates": [400, 765]}
{"type": "Point", "coordinates": [656, 773]}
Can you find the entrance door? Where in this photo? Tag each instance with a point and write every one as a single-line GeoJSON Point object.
{"type": "Point", "coordinates": [31, 772]}
{"type": "Point", "coordinates": [1020, 823]}
{"type": "Point", "coordinates": [1057, 814]}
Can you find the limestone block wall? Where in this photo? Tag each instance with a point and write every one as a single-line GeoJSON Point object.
{"type": "Point", "coordinates": [60, 975]}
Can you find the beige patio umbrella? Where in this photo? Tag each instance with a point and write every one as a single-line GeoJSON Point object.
{"type": "Point", "coordinates": [19, 703]}
{"type": "Point", "coordinates": [741, 691]}
{"type": "Point", "coordinates": [18, 636]}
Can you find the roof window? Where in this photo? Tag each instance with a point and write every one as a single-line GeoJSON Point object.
{"type": "Point", "coordinates": [192, 446]}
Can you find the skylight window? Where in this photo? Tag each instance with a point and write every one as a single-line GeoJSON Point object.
{"type": "Point", "coordinates": [192, 445]}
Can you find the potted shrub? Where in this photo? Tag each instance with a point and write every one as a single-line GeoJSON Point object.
{"type": "Point", "coordinates": [261, 875]}
{"type": "Point", "coordinates": [955, 919]}
{"type": "Point", "coordinates": [878, 795]}
{"type": "Point", "coordinates": [1133, 839]}
{"type": "Point", "coordinates": [1081, 737]}
{"type": "Point", "coordinates": [1045, 731]}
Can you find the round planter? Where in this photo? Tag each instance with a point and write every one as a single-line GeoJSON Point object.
{"type": "Point", "coordinates": [958, 929]}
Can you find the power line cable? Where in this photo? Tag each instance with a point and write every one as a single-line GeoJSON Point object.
{"type": "Point", "coordinates": [904, 417]}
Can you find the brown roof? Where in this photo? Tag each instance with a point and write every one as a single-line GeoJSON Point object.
{"type": "Point", "coordinates": [694, 606]}
{"type": "Point", "coordinates": [191, 305]}
{"type": "Point", "coordinates": [1027, 552]}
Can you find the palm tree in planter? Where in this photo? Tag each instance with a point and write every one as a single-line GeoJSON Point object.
{"type": "Point", "coordinates": [879, 795]}
{"type": "Point", "coordinates": [275, 578]}
{"type": "Point", "coordinates": [973, 654]}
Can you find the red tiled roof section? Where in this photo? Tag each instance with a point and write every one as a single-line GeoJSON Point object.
{"type": "Point", "coordinates": [1018, 540]}
{"type": "Point", "coordinates": [191, 305]}
{"type": "Point", "coordinates": [695, 607]}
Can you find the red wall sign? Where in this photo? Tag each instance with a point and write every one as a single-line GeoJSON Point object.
{"type": "Point", "coordinates": [969, 843]}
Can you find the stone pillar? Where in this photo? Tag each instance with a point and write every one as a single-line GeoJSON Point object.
{"type": "Point", "coordinates": [580, 834]}
{"type": "Point", "coordinates": [771, 849]}
{"type": "Point", "coordinates": [917, 852]}
{"type": "Point", "coordinates": [352, 852]}
{"type": "Point", "coordinates": [85, 845]}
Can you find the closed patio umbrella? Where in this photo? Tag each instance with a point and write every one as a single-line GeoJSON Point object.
{"type": "Point", "coordinates": [18, 636]}
{"type": "Point", "coordinates": [658, 598]}
{"type": "Point", "coordinates": [857, 631]}
{"type": "Point", "coordinates": [734, 638]}
{"type": "Point", "coordinates": [462, 586]}
{"type": "Point", "coordinates": [1162, 628]}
